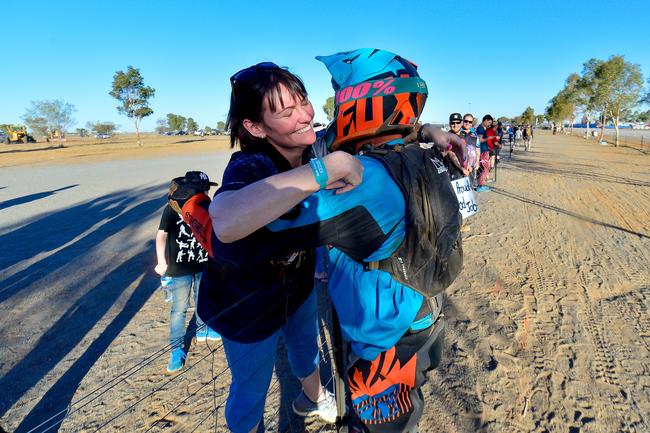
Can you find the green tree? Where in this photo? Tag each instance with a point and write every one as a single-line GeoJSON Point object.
{"type": "Point", "coordinates": [528, 116]}
{"type": "Point", "coordinates": [208, 130]}
{"type": "Point", "coordinates": [221, 126]}
{"type": "Point", "coordinates": [176, 122]}
{"type": "Point", "coordinates": [328, 108]}
{"type": "Point", "coordinates": [557, 110]}
{"type": "Point", "coordinates": [646, 98]}
{"type": "Point", "coordinates": [83, 132]}
{"type": "Point", "coordinates": [53, 117]}
{"type": "Point", "coordinates": [643, 117]}
{"type": "Point", "coordinates": [503, 119]}
{"type": "Point", "coordinates": [38, 126]}
{"type": "Point", "coordinates": [162, 126]}
{"type": "Point", "coordinates": [563, 106]}
{"type": "Point", "coordinates": [129, 89]}
{"type": "Point", "coordinates": [102, 127]}
{"type": "Point", "coordinates": [572, 96]}
{"type": "Point", "coordinates": [615, 86]}
{"type": "Point", "coordinates": [192, 125]}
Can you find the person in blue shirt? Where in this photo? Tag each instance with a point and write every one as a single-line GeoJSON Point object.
{"type": "Point", "coordinates": [387, 323]}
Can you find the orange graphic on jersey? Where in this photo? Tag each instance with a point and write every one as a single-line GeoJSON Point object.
{"type": "Point", "coordinates": [392, 372]}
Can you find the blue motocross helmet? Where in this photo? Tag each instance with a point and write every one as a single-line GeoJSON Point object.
{"type": "Point", "coordinates": [376, 92]}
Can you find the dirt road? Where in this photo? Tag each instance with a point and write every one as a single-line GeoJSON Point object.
{"type": "Point", "coordinates": [548, 330]}
{"type": "Point", "coordinates": [549, 324]}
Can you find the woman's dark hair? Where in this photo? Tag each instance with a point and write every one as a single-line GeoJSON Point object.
{"type": "Point", "coordinates": [250, 87]}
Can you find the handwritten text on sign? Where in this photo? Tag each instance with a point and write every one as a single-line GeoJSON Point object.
{"type": "Point", "coordinates": [465, 195]}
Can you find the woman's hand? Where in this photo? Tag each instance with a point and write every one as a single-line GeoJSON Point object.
{"type": "Point", "coordinates": [345, 171]}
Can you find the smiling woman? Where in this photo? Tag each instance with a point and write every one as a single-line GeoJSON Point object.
{"type": "Point", "coordinates": [270, 118]}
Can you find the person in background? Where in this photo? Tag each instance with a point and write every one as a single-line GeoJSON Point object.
{"type": "Point", "coordinates": [457, 168]}
{"type": "Point", "coordinates": [518, 135]}
{"type": "Point", "coordinates": [484, 160]}
{"type": "Point", "coordinates": [180, 261]}
{"type": "Point", "coordinates": [473, 146]}
{"type": "Point", "coordinates": [493, 143]}
{"type": "Point", "coordinates": [528, 137]}
{"type": "Point", "coordinates": [500, 134]}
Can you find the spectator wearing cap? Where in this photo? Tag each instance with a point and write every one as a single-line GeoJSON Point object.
{"type": "Point", "coordinates": [180, 262]}
{"type": "Point", "coordinates": [458, 168]}
{"type": "Point", "coordinates": [484, 140]}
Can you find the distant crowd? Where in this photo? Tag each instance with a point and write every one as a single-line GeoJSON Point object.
{"type": "Point", "coordinates": [484, 145]}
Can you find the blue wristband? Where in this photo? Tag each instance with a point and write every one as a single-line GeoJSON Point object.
{"type": "Point", "coordinates": [320, 173]}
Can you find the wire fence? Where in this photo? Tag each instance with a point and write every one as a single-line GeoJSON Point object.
{"type": "Point", "coordinates": [634, 138]}
{"type": "Point", "coordinates": [140, 399]}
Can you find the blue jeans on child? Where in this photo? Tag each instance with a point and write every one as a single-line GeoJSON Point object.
{"type": "Point", "coordinates": [251, 365]}
{"type": "Point", "coordinates": [181, 289]}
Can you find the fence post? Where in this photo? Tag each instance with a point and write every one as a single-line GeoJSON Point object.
{"type": "Point", "coordinates": [339, 354]}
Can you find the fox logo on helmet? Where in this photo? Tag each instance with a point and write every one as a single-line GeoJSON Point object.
{"type": "Point", "coordinates": [377, 93]}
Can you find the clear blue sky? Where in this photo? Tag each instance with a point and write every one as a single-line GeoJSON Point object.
{"type": "Point", "coordinates": [497, 56]}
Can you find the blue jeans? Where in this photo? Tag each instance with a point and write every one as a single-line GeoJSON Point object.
{"type": "Point", "coordinates": [181, 289]}
{"type": "Point", "coordinates": [251, 365]}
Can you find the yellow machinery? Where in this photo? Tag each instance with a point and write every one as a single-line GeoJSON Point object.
{"type": "Point", "coordinates": [17, 134]}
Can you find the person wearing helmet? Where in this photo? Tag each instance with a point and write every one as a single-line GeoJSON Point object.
{"type": "Point", "coordinates": [379, 97]}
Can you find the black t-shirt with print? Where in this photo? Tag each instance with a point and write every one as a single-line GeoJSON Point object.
{"type": "Point", "coordinates": [185, 256]}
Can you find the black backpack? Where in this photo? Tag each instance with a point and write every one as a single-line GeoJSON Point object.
{"type": "Point", "coordinates": [431, 255]}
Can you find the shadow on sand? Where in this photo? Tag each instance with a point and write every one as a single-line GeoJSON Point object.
{"type": "Point", "coordinates": [576, 171]}
{"type": "Point", "coordinates": [523, 199]}
{"type": "Point", "coordinates": [67, 236]}
{"type": "Point", "coordinates": [32, 197]}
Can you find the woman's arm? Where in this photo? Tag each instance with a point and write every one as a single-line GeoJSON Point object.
{"type": "Point", "coordinates": [236, 214]}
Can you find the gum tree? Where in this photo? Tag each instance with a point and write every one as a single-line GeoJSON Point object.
{"type": "Point", "coordinates": [129, 89]}
{"type": "Point", "coordinates": [615, 87]}
{"type": "Point", "coordinates": [328, 108]}
{"type": "Point", "coordinates": [50, 117]}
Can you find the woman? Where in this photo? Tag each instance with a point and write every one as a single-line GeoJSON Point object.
{"type": "Point", "coordinates": [270, 118]}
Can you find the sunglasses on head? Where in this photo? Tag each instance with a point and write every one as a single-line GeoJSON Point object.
{"type": "Point", "coordinates": [249, 72]}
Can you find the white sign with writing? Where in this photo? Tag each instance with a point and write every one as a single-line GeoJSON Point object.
{"type": "Point", "coordinates": [465, 195]}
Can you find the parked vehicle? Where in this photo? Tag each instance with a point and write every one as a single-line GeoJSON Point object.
{"type": "Point", "coordinates": [17, 134]}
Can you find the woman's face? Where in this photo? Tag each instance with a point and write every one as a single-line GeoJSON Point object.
{"type": "Point", "coordinates": [290, 125]}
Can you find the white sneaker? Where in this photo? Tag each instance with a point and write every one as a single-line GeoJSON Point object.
{"type": "Point", "coordinates": [326, 408]}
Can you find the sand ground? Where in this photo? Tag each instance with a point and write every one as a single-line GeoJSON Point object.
{"type": "Point", "coordinates": [548, 325]}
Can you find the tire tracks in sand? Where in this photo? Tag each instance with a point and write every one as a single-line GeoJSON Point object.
{"type": "Point", "coordinates": [555, 292]}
